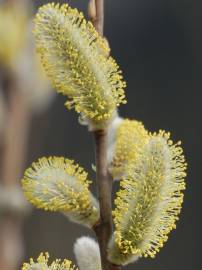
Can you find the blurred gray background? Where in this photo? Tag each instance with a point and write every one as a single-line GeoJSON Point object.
{"type": "Point", "coordinates": [158, 45]}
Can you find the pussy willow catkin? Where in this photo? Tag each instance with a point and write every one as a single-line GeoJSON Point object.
{"type": "Point", "coordinates": [13, 21]}
{"type": "Point", "coordinates": [87, 253]}
{"type": "Point", "coordinates": [129, 138]}
{"type": "Point", "coordinates": [42, 263]}
{"type": "Point", "coordinates": [74, 57]}
{"type": "Point", "coordinates": [57, 184]}
{"type": "Point", "coordinates": [149, 202]}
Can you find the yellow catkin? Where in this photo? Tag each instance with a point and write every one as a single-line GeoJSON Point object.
{"type": "Point", "coordinates": [42, 263]}
{"type": "Point", "coordinates": [74, 57]}
{"type": "Point", "coordinates": [150, 199]}
{"type": "Point", "coordinates": [57, 184]}
{"type": "Point", "coordinates": [130, 137]}
{"type": "Point", "coordinates": [13, 21]}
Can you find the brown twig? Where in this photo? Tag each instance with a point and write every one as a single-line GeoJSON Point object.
{"type": "Point", "coordinates": [96, 14]}
{"type": "Point", "coordinates": [15, 141]}
{"type": "Point", "coordinates": [13, 161]}
{"type": "Point", "coordinates": [14, 151]}
{"type": "Point", "coordinates": [104, 229]}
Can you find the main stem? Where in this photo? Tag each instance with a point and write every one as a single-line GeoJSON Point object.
{"type": "Point", "coordinates": [99, 20]}
{"type": "Point", "coordinates": [103, 230]}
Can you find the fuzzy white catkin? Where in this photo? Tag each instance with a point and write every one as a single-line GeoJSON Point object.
{"type": "Point", "coordinates": [125, 140]}
{"type": "Point", "coordinates": [87, 254]}
{"type": "Point", "coordinates": [111, 136]}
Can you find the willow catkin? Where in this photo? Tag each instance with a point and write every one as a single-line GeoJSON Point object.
{"type": "Point", "coordinates": [13, 21]}
{"type": "Point", "coordinates": [57, 184]}
{"type": "Point", "coordinates": [125, 142]}
{"type": "Point", "coordinates": [149, 202]}
{"type": "Point", "coordinates": [87, 253]}
{"type": "Point", "coordinates": [42, 263]}
{"type": "Point", "coordinates": [74, 57]}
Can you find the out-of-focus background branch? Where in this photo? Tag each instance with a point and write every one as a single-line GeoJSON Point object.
{"type": "Point", "coordinates": [20, 75]}
{"type": "Point", "coordinates": [158, 46]}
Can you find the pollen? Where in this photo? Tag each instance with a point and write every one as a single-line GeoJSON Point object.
{"type": "Point", "coordinates": [75, 58]}
{"type": "Point", "coordinates": [58, 184]}
{"type": "Point", "coordinates": [42, 263]}
{"type": "Point", "coordinates": [150, 199]}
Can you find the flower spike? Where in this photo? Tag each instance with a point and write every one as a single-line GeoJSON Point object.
{"type": "Point", "coordinates": [42, 263]}
{"type": "Point", "coordinates": [75, 59]}
{"type": "Point", "coordinates": [57, 184]}
{"type": "Point", "coordinates": [149, 202]}
{"type": "Point", "coordinates": [126, 140]}
{"type": "Point", "coordinates": [87, 254]}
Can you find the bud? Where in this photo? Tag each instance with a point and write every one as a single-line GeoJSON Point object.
{"type": "Point", "coordinates": [87, 254]}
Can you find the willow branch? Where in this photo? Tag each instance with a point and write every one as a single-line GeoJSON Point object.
{"type": "Point", "coordinates": [14, 151]}
{"type": "Point", "coordinates": [96, 14]}
{"type": "Point", "coordinates": [104, 229]}
{"type": "Point", "coordinates": [16, 138]}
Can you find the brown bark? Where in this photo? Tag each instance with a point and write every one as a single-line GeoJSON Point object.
{"type": "Point", "coordinates": [104, 228]}
{"type": "Point", "coordinates": [96, 14]}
